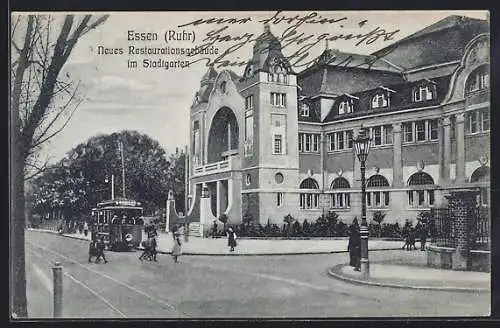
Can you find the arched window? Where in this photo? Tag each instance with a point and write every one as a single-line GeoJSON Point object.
{"type": "Point", "coordinates": [309, 200]}
{"type": "Point", "coordinates": [309, 183]}
{"type": "Point", "coordinates": [377, 180]}
{"type": "Point", "coordinates": [482, 175]}
{"type": "Point", "coordinates": [377, 198]}
{"type": "Point", "coordinates": [422, 193]}
{"type": "Point", "coordinates": [420, 178]}
{"type": "Point", "coordinates": [340, 198]}
{"type": "Point", "coordinates": [340, 183]}
{"type": "Point", "coordinates": [478, 79]}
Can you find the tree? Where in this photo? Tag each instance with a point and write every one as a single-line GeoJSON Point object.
{"type": "Point", "coordinates": [331, 218]}
{"type": "Point", "coordinates": [223, 218]}
{"type": "Point", "coordinates": [81, 176]}
{"type": "Point", "coordinates": [288, 219]}
{"type": "Point", "coordinates": [176, 175]}
{"type": "Point", "coordinates": [248, 219]}
{"type": "Point", "coordinates": [42, 102]}
{"type": "Point", "coordinates": [378, 216]}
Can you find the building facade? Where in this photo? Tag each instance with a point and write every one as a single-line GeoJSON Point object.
{"type": "Point", "coordinates": [275, 142]}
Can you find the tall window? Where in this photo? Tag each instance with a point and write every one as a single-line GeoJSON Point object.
{"type": "Point", "coordinates": [278, 99]}
{"type": "Point", "coordinates": [477, 121]}
{"type": "Point", "coordinates": [482, 175]}
{"type": "Point", "coordinates": [304, 110]}
{"type": "Point", "coordinates": [309, 142]}
{"type": "Point", "coordinates": [377, 196]}
{"type": "Point", "coordinates": [381, 135]}
{"type": "Point", "coordinates": [279, 199]}
{"type": "Point", "coordinates": [341, 197]}
{"type": "Point", "coordinates": [249, 102]}
{"type": "Point", "coordinates": [420, 126]}
{"type": "Point", "coordinates": [433, 130]}
{"type": "Point", "coordinates": [421, 193]}
{"type": "Point", "coordinates": [408, 132]}
{"type": "Point", "coordinates": [422, 130]}
{"type": "Point", "coordinates": [340, 140]}
{"type": "Point", "coordinates": [277, 144]}
{"type": "Point", "coordinates": [309, 199]}
{"type": "Point", "coordinates": [248, 133]}
{"type": "Point", "coordinates": [479, 79]}
{"type": "Point", "coordinates": [379, 100]}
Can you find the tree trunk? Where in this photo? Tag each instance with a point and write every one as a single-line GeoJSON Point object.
{"type": "Point", "coordinates": [17, 222]}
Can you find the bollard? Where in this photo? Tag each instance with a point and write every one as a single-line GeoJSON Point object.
{"type": "Point", "coordinates": [58, 289]}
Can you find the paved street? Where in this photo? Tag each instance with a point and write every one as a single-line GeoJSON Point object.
{"type": "Point", "coordinates": [222, 287]}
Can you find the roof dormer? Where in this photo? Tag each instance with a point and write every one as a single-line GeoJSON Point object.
{"type": "Point", "coordinates": [424, 90]}
{"type": "Point", "coordinates": [381, 98]}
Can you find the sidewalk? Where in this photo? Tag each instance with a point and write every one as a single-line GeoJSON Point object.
{"type": "Point", "coordinates": [210, 246]}
{"type": "Point", "coordinates": [415, 277]}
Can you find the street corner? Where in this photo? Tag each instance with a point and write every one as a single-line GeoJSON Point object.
{"type": "Point", "coordinates": [408, 277]}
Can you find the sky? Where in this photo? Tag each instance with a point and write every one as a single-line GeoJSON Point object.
{"type": "Point", "coordinates": [156, 101]}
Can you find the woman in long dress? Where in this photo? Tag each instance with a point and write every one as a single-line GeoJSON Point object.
{"type": "Point", "coordinates": [176, 250]}
{"type": "Point", "coordinates": [231, 239]}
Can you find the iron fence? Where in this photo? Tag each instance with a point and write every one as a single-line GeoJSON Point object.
{"type": "Point", "coordinates": [442, 230]}
{"type": "Point", "coordinates": [480, 230]}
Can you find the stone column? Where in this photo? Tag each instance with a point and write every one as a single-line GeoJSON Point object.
{"type": "Point", "coordinates": [462, 206]}
{"type": "Point", "coordinates": [446, 150]}
{"type": "Point", "coordinates": [460, 141]}
{"type": "Point", "coordinates": [397, 165]}
{"type": "Point", "coordinates": [205, 205]}
{"type": "Point", "coordinates": [170, 208]}
{"type": "Point", "coordinates": [219, 192]}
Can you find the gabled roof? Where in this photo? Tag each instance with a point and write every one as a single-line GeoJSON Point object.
{"type": "Point", "coordinates": [336, 58]}
{"type": "Point", "coordinates": [442, 42]}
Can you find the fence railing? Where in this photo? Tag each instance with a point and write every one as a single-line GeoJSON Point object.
{"type": "Point", "coordinates": [480, 232]}
{"type": "Point", "coordinates": [442, 227]}
{"type": "Point", "coordinates": [443, 231]}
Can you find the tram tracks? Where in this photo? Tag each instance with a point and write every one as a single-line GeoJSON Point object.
{"type": "Point", "coordinates": [58, 257]}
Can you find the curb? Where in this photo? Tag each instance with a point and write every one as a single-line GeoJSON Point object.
{"type": "Point", "coordinates": [230, 254]}
{"type": "Point", "coordinates": [380, 284]}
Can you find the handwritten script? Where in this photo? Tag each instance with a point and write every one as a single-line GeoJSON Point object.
{"type": "Point", "coordinates": [298, 42]}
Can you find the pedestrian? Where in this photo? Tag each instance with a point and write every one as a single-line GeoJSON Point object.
{"type": "Point", "coordinates": [85, 228]}
{"type": "Point", "coordinates": [100, 250]}
{"type": "Point", "coordinates": [354, 246]}
{"type": "Point", "coordinates": [214, 229]}
{"type": "Point", "coordinates": [176, 249]}
{"type": "Point", "coordinates": [423, 236]}
{"type": "Point", "coordinates": [231, 239]}
{"type": "Point", "coordinates": [92, 250]}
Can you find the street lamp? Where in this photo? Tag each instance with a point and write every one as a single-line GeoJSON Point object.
{"type": "Point", "coordinates": [362, 147]}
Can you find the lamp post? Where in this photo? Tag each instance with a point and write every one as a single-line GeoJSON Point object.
{"type": "Point", "coordinates": [362, 147]}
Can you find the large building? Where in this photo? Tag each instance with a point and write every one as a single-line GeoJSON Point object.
{"type": "Point", "coordinates": [275, 142]}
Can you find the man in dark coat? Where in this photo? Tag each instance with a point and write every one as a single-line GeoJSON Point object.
{"type": "Point", "coordinates": [424, 232]}
{"type": "Point", "coordinates": [354, 246]}
{"type": "Point", "coordinates": [100, 251]}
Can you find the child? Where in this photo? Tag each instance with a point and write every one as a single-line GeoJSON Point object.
{"type": "Point", "coordinates": [176, 250]}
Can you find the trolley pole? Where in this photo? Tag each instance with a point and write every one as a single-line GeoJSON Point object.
{"type": "Point", "coordinates": [58, 289]}
{"type": "Point", "coordinates": [112, 186]}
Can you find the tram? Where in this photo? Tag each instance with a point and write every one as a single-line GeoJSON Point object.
{"type": "Point", "coordinates": [120, 222]}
